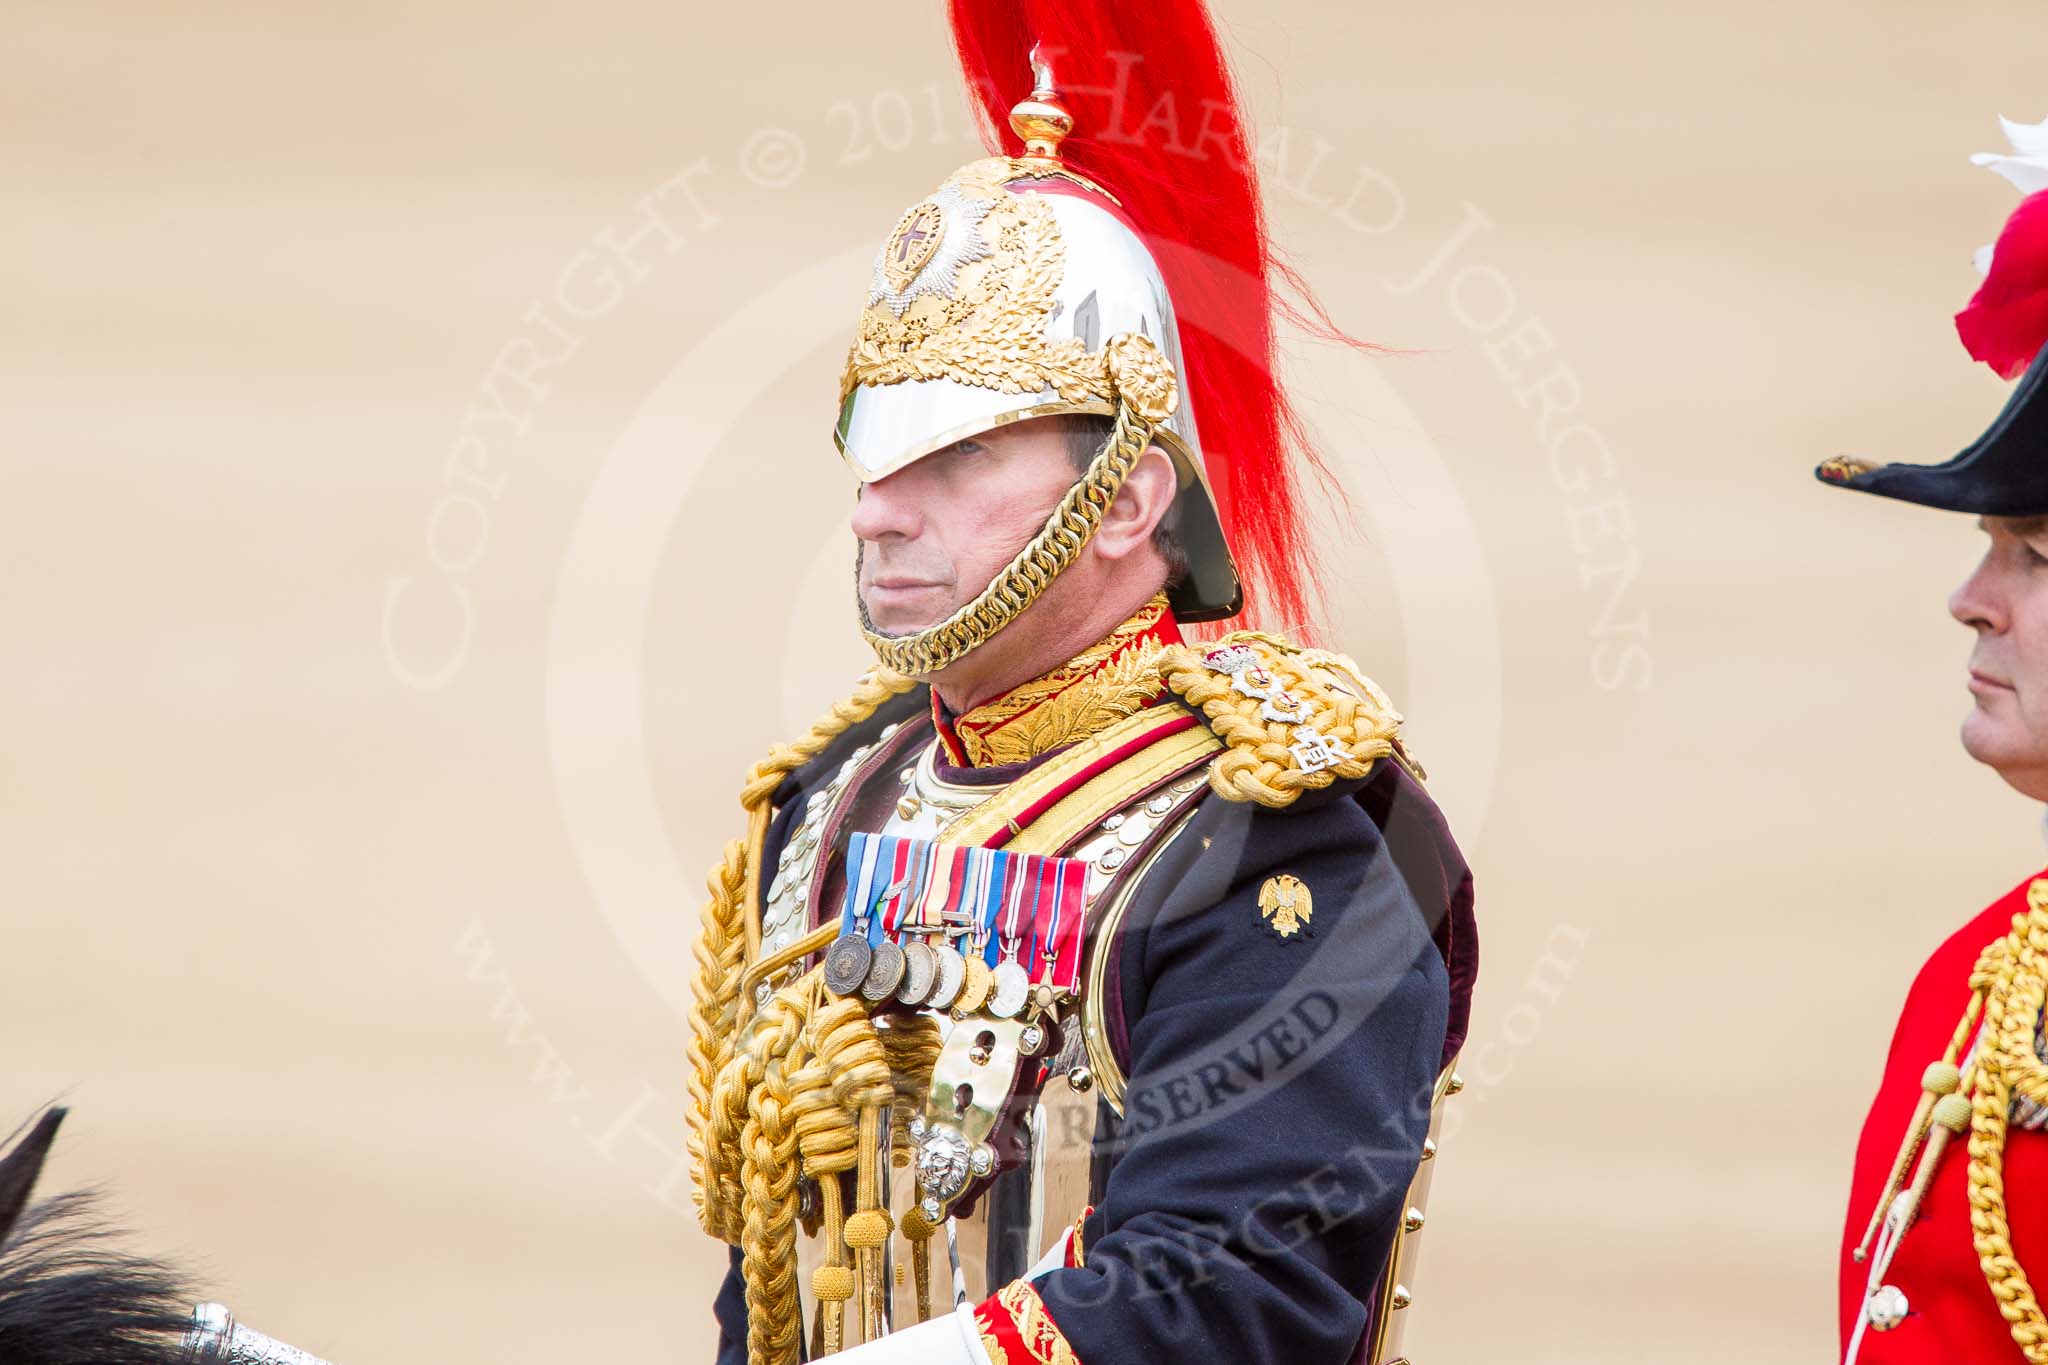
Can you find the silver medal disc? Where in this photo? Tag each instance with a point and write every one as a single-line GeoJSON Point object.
{"type": "Point", "coordinates": [884, 973]}
{"type": "Point", "coordinates": [951, 974]}
{"type": "Point", "coordinates": [920, 968]}
{"type": "Point", "coordinates": [846, 963]}
{"type": "Point", "coordinates": [1012, 989]}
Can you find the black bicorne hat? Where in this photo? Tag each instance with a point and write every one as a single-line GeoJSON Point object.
{"type": "Point", "coordinates": [2003, 473]}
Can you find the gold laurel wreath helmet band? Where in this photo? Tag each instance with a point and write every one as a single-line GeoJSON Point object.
{"type": "Point", "coordinates": [1146, 394]}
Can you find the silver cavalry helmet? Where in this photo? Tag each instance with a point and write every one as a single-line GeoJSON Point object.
{"type": "Point", "coordinates": [1017, 289]}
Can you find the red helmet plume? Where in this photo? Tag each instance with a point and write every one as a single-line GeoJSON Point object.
{"type": "Point", "coordinates": [1156, 123]}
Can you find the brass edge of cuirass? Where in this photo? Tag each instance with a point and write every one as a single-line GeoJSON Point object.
{"type": "Point", "coordinates": [1393, 1291]}
{"type": "Point", "coordinates": [1109, 1076]}
{"type": "Point", "coordinates": [975, 793]}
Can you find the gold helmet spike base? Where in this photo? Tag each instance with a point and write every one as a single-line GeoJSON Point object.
{"type": "Point", "coordinates": [1041, 120]}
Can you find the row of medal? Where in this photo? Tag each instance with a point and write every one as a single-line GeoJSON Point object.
{"type": "Point", "coordinates": [948, 926]}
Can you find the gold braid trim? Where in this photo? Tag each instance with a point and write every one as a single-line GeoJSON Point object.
{"type": "Point", "coordinates": [827, 1140]}
{"type": "Point", "coordinates": [829, 1090]}
{"type": "Point", "coordinates": [768, 1176]}
{"type": "Point", "coordinates": [877, 687]}
{"type": "Point", "coordinates": [987, 330]}
{"type": "Point", "coordinates": [1146, 396]}
{"type": "Point", "coordinates": [1259, 761]}
{"type": "Point", "coordinates": [1043, 1342]}
{"type": "Point", "coordinates": [728, 941]}
{"type": "Point", "coordinates": [806, 1085]}
{"type": "Point", "coordinates": [861, 1085]}
{"type": "Point", "coordinates": [913, 1043]}
{"type": "Point", "coordinates": [720, 953]}
{"type": "Point", "coordinates": [1112, 678]}
{"type": "Point", "coordinates": [2015, 986]}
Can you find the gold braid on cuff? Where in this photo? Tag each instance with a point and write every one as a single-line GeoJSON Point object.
{"type": "Point", "coordinates": [1146, 394]}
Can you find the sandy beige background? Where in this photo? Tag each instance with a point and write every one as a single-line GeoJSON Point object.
{"type": "Point", "coordinates": [371, 713]}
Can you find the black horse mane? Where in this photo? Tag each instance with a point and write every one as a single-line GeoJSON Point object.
{"type": "Point", "coordinates": [68, 1294]}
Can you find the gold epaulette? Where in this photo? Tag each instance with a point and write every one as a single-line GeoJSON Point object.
{"type": "Point", "coordinates": [1291, 719]}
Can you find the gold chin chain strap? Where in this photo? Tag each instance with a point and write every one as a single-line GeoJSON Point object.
{"type": "Point", "coordinates": [1146, 395]}
{"type": "Point", "coordinates": [2009, 986]}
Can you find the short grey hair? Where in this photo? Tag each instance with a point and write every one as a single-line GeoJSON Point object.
{"type": "Point", "coordinates": [1086, 433]}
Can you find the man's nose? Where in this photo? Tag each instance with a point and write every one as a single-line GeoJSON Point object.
{"type": "Point", "coordinates": [885, 508]}
{"type": "Point", "coordinates": [1977, 602]}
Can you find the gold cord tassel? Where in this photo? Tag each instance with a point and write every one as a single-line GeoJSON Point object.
{"type": "Point", "coordinates": [828, 1137]}
{"type": "Point", "coordinates": [833, 1281]}
{"type": "Point", "coordinates": [1941, 1078]}
{"type": "Point", "coordinates": [2009, 987]}
{"type": "Point", "coordinates": [1949, 1116]}
{"type": "Point", "coordinates": [919, 1230]}
{"type": "Point", "coordinates": [853, 1054]}
{"type": "Point", "coordinates": [913, 1045]}
{"type": "Point", "coordinates": [867, 1232]}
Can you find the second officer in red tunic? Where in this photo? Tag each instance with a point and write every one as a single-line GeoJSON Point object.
{"type": "Point", "coordinates": [1948, 1208]}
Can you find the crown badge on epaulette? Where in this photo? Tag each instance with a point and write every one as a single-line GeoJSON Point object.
{"type": "Point", "coordinates": [1313, 750]}
{"type": "Point", "coordinates": [1291, 720]}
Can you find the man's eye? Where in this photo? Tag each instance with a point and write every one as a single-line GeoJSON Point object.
{"type": "Point", "coordinates": [969, 447]}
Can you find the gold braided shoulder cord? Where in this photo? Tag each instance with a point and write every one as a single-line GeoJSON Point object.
{"type": "Point", "coordinates": [2007, 1064]}
{"type": "Point", "coordinates": [1258, 762]}
{"type": "Point", "coordinates": [728, 941]}
{"type": "Point", "coordinates": [1146, 396]}
{"type": "Point", "coordinates": [806, 1093]}
{"type": "Point", "coordinates": [768, 1176]}
{"type": "Point", "coordinates": [2008, 986]}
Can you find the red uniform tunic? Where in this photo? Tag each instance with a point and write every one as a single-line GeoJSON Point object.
{"type": "Point", "coordinates": [1953, 1316]}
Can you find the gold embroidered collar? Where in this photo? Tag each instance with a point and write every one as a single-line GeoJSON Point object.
{"type": "Point", "coordinates": [1115, 677]}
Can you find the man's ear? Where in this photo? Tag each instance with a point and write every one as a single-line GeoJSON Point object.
{"type": "Point", "coordinates": [1147, 494]}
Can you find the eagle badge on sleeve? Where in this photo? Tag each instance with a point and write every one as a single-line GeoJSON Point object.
{"type": "Point", "coordinates": [1285, 903]}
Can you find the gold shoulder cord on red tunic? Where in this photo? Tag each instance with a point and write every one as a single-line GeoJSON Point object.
{"type": "Point", "coordinates": [2008, 988]}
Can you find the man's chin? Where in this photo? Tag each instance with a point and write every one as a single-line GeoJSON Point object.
{"type": "Point", "coordinates": [896, 625]}
{"type": "Point", "coordinates": [1999, 743]}
{"type": "Point", "coordinates": [900, 612]}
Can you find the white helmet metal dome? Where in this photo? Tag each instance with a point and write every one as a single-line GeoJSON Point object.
{"type": "Point", "coordinates": [996, 299]}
